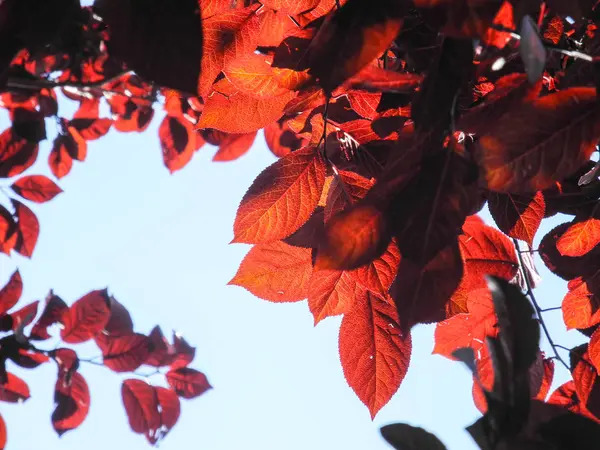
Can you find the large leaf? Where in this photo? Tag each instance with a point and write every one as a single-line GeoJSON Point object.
{"type": "Point", "coordinates": [281, 198]}
{"type": "Point", "coordinates": [233, 111]}
{"type": "Point", "coordinates": [124, 353]}
{"type": "Point", "coordinates": [541, 142]}
{"type": "Point", "coordinates": [141, 406]}
{"type": "Point", "coordinates": [276, 271]}
{"type": "Point", "coordinates": [581, 305]}
{"type": "Point", "coordinates": [580, 238]}
{"type": "Point", "coordinates": [374, 353]}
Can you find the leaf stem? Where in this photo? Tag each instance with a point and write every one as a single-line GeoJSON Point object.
{"type": "Point", "coordinates": [537, 307]}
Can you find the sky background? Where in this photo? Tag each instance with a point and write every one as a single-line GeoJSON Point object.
{"type": "Point", "coordinates": [159, 242]}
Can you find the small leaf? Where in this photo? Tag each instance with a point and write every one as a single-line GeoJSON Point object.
{"type": "Point", "coordinates": [72, 403]}
{"type": "Point", "coordinates": [11, 292]}
{"type": "Point", "coordinates": [124, 353]}
{"type": "Point", "coordinates": [14, 389]}
{"type": "Point", "coordinates": [141, 406]}
{"type": "Point", "coordinates": [37, 188]}
{"type": "Point", "coordinates": [28, 228]}
{"type": "Point", "coordinates": [519, 216]}
{"type": "Point", "coordinates": [580, 238]}
{"type": "Point", "coordinates": [188, 383]}
{"type": "Point", "coordinates": [53, 312]}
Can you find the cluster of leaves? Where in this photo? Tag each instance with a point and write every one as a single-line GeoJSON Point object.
{"type": "Point", "coordinates": [98, 317]}
{"type": "Point", "coordinates": [394, 121]}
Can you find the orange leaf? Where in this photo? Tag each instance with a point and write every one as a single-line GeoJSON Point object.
{"type": "Point", "coordinates": [374, 354]}
{"type": "Point", "coordinates": [276, 272]}
{"type": "Point", "coordinates": [580, 238]}
{"type": "Point", "coordinates": [59, 160]}
{"type": "Point", "coordinates": [228, 36]}
{"type": "Point", "coordinates": [291, 7]}
{"type": "Point", "coordinates": [467, 330]}
{"type": "Point", "coordinates": [281, 199]}
{"type": "Point", "coordinates": [234, 146]}
{"type": "Point", "coordinates": [581, 305]}
{"type": "Point", "coordinates": [536, 144]}
{"type": "Point", "coordinates": [332, 292]}
{"type": "Point", "coordinates": [37, 188]}
{"type": "Point", "coordinates": [178, 142]}
{"type": "Point", "coordinates": [281, 140]}
{"type": "Point", "coordinates": [253, 75]}
{"type": "Point", "coordinates": [229, 110]}
{"type": "Point", "coordinates": [519, 216]}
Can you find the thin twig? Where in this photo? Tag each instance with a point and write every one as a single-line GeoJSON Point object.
{"type": "Point", "coordinates": [537, 307]}
{"type": "Point", "coordinates": [555, 308]}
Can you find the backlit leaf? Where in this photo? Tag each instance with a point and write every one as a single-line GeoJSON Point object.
{"type": "Point", "coordinates": [14, 389]}
{"type": "Point", "coordinates": [331, 293]}
{"type": "Point", "coordinates": [541, 142]}
{"type": "Point", "coordinates": [281, 198]}
{"type": "Point", "coordinates": [580, 238]}
{"type": "Point", "coordinates": [124, 353]}
{"type": "Point", "coordinates": [291, 7]}
{"type": "Point", "coordinates": [37, 188]}
{"type": "Point", "coordinates": [59, 160]}
{"type": "Point", "coordinates": [374, 354]}
{"type": "Point", "coordinates": [89, 130]}
{"type": "Point", "coordinates": [234, 146]}
{"type": "Point", "coordinates": [276, 271]}
{"type": "Point", "coordinates": [177, 141]}
{"type": "Point", "coordinates": [16, 154]}
{"type": "Point", "coordinates": [519, 216]}
{"type": "Point", "coordinates": [233, 111]}
{"type": "Point", "coordinates": [188, 383]}
{"type": "Point", "coordinates": [86, 317]}
{"type": "Point", "coordinates": [252, 74]}
{"type": "Point", "coordinates": [53, 312]}
{"type": "Point", "coordinates": [28, 228]}
{"type": "Point", "coordinates": [141, 406]}
{"type": "Point", "coordinates": [72, 403]}
{"type": "Point", "coordinates": [11, 292]}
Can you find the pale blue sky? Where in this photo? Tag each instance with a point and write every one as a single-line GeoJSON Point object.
{"type": "Point", "coordinates": [160, 244]}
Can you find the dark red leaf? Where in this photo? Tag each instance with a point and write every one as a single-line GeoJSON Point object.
{"type": "Point", "coordinates": [53, 312]}
{"type": "Point", "coordinates": [16, 154]}
{"type": "Point", "coordinates": [11, 292]}
{"type": "Point", "coordinates": [519, 216]}
{"type": "Point", "coordinates": [91, 129]}
{"type": "Point", "coordinates": [28, 228]}
{"type": "Point", "coordinates": [125, 353]}
{"type": "Point", "coordinates": [24, 316]}
{"type": "Point", "coordinates": [72, 403]}
{"type": "Point", "coordinates": [141, 406]}
{"type": "Point", "coordinates": [120, 322]}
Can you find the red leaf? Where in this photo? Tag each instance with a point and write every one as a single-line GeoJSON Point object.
{"type": "Point", "coordinates": [581, 305]}
{"type": "Point", "coordinates": [281, 198]}
{"type": "Point", "coordinates": [2, 433]}
{"type": "Point", "coordinates": [345, 190]}
{"type": "Point", "coordinates": [486, 251]}
{"type": "Point", "coordinates": [11, 292]}
{"type": "Point", "coordinates": [8, 231]}
{"type": "Point", "coordinates": [467, 330]}
{"type": "Point", "coordinates": [233, 111]}
{"type": "Point", "coordinates": [178, 142]}
{"type": "Point", "coordinates": [141, 405]}
{"type": "Point", "coordinates": [91, 129]}
{"type": "Point", "coordinates": [379, 275]}
{"type": "Point", "coordinates": [184, 352]}
{"type": "Point", "coordinates": [161, 352]}
{"type": "Point", "coordinates": [28, 228]}
{"type": "Point", "coordinates": [252, 74]}
{"type": "Point", "coordinates": [580, 238]}
{"type": "Point", "coordinates": [363, 30]}
{"type": "Point", "coordinates": [276, 272]}
{"type": "Point", "coordinates": [24, 316]}
{"type": "Point", "coordinates": [563, 127]}
{"type": "Point", "coordinates": [125, 353]}
{"type": "Point", "coordinates": [14, 389]}
{"type": "Point", "coordinates": [227, 36]}
{"type": "Point", "coordinates": [120, 322]}
{"type": "Point", "coordinates": [37, 188]}
{"type": "Point", "coordinates": [59, 160]}
{"type": "Point", "coordinates": [28, 359]}
{"type": "Point", "coordinates": [364, 103]}
{"type": "Point", "coordinates": [86, 317]}
{"type": "Point", "coordinates": [16, 154]}
{"type": "Point", "coordinates": [169, 409]}
{"type": "Point", "coordinates": [594, 349]}
{"type": "Point", "coordinates": [422, 292]}
{"type": "Point", "coordinates": [72, 400]}
{"type": "Point", "coordinates": [188, 383]}
{"type": "Point", "coordinates": [291, 7]}
{"type": "Point", "coordinates": [67, 361]}
{"type": "Point", "coordinates": [53, 312]}
{"type": "Point", "coordinates": [234, 146]}
{"type": "Point", "coordinates": [519, 216]}
{"type": "Point", "coordinates": [332, 292]}
{"type": "Point", "coordinates": [374, 354]}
